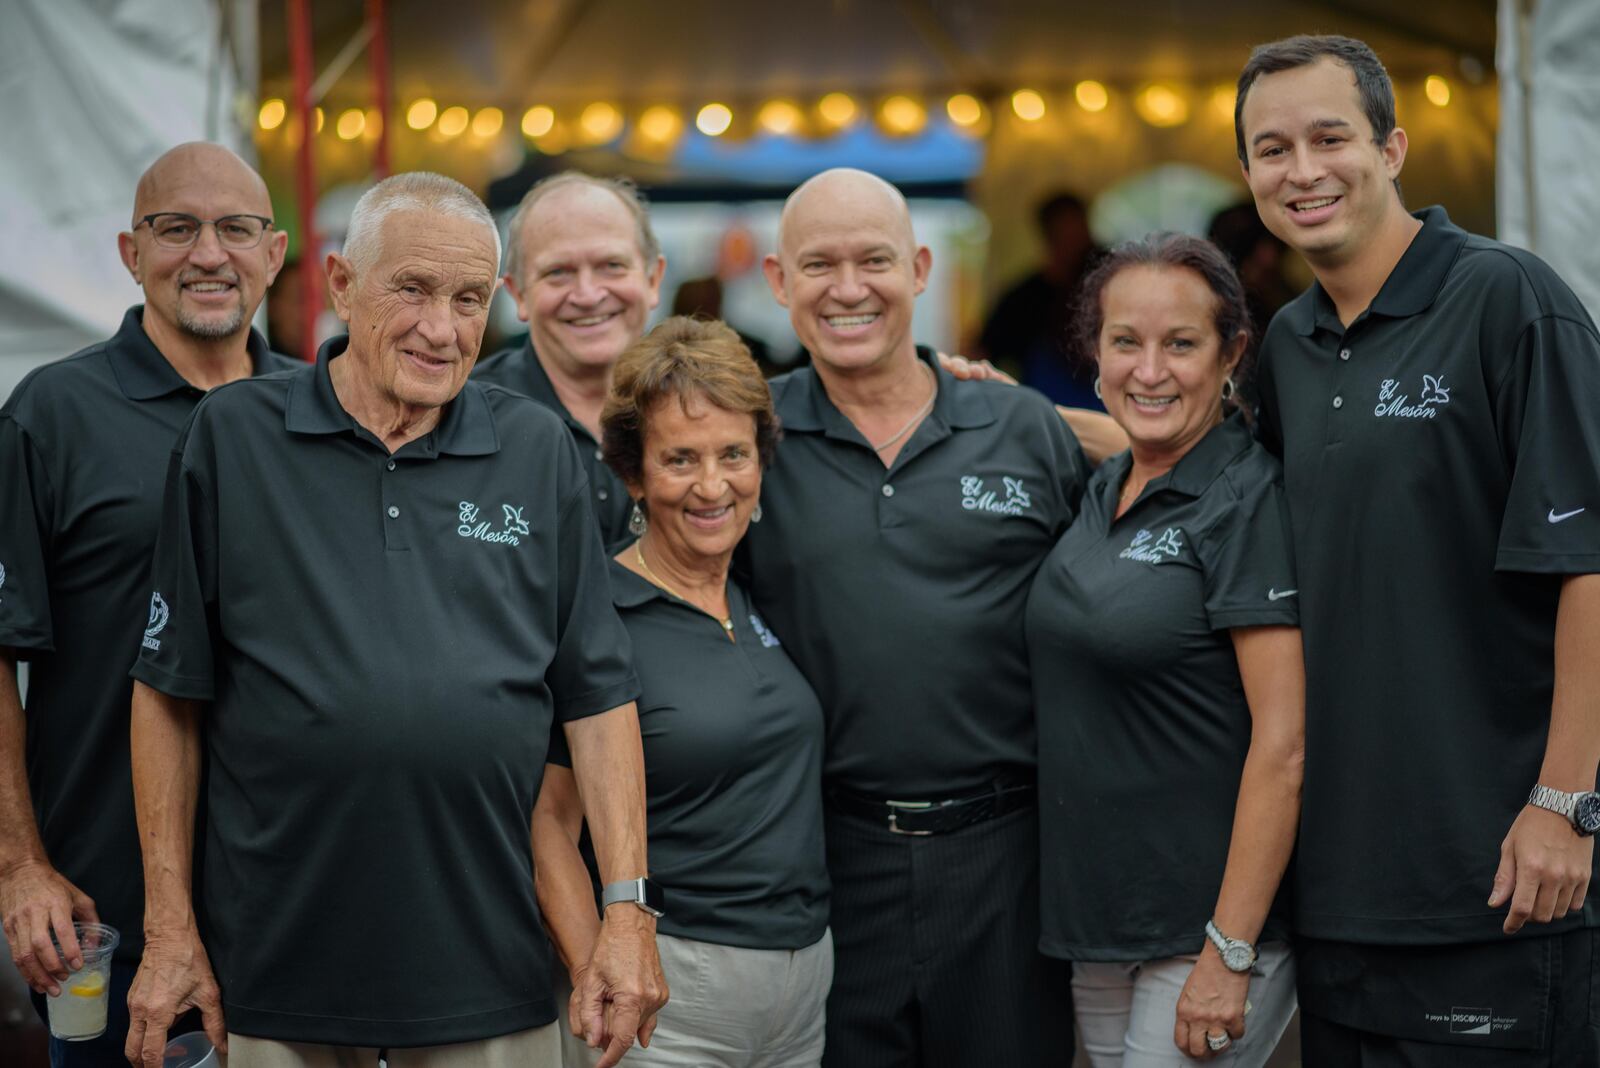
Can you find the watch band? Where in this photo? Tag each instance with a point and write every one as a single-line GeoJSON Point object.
{"type": "Point", "coordinates": [1560, 802]}
{"type": "Point", "coordinates": [641, 892]}
{"type": "Point", "coordinates": [1237, 954]}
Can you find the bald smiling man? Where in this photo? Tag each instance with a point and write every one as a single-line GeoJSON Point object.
{"type": "Point", "coordinates": [904, 517]}
{"type": "Point", "coordinates": [84, 444]}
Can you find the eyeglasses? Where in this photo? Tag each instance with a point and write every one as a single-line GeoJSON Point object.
{"type": "Point", "coordinates": [174, 229]}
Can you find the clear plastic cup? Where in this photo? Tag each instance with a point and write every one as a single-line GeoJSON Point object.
{"type": "Point", "coordinates": [78, 1013]}
{"type": "Point", "coordinates": [192, 1050]}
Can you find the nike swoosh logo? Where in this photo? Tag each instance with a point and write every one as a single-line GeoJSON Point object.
{"type": "Point", "coordinates": [1278, 595]}
{"type": "Point", "coordinates": [1564, 515]}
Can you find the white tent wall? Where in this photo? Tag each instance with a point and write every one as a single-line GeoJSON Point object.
{"type": "Point", "coordinates": [1548, 182]}
{"type": "Point", "coordinates": [94, 91]}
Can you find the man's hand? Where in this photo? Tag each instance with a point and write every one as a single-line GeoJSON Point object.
{"type": "Point", "coordinates": [973, 370]}
{"type": "Point", "coordinates": [616, 997]}
{"type": "Point", "coordinates": [1212, 1002]}
{"type": "Point", "coordinates": [1544, 869]}
{"type": "Point", "coordinates": [35, 900]}
{"type": "Point", "coordinates": [174, 976]}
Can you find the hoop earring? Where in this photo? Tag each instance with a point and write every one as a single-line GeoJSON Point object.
{"type": "Point", "coordinates": [637, 523]}
{"type": "Point", "coordinates": [1228, 389]}
{"type": "Point", "coordinates": [1097, 387]}
{"type": "Point", "coordinates": [755, 516]}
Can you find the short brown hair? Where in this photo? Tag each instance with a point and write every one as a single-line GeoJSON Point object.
{"type": "Point", "coordinates": [682, 357]}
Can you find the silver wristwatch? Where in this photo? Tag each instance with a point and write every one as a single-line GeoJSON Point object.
{"type": "Point", "coordinates": [641, 892]}
{"type": "Point", "coordinates": [1237, 954]}
{"type": "Point", "coordinates": [1582, 809]}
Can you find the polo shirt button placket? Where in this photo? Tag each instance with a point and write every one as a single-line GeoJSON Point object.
{"type": "Point", "coordinates": [888, 490]}
{"type": "Point", "coordinates": [1338, 402]}
{"type": "Point", "coordinates": [394, 513]}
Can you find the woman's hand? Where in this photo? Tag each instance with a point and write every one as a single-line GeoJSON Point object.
{"type": "Point", "coordinates": [1212, 1002]}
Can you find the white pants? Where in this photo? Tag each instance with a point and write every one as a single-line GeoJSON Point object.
{"type": "Point", "coordinates": [538, 1048]}
{"type": "Point", "coordinates": [1127, 1010]}
{"type": "Point", "coordinates": [731, 1008]}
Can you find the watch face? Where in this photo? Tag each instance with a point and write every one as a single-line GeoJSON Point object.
{"type": "Point", "coordinates": [1238, 958]}
{"type": "Point", "coordinates": [1586, 813]}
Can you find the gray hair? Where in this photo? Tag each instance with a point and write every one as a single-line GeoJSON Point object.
{"type": "Point", "coordinates": [622, 188]}
{"type": "Point", "coordinates": [412, 191]}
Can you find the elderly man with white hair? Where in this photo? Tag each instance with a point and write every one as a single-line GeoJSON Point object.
{"type": "Point", "coordinates": [376, 588]}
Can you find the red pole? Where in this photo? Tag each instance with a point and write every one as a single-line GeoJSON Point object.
{"type": "Point", "coordinates": [305, 175]}
{"type": "Point", "coordinates": [382, 90]}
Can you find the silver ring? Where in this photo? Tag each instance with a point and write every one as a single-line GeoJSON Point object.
{"type": "Point", "coordinates": [1217, 1042]}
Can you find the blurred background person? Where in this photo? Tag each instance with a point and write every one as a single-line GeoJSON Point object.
{"type": "Point", "coordinates": [1030, 328]}
{"type": "Point", "coordinates": [701, 298]}
{"type": "Point", "coordinates": [1168, 685]}
{"type": "Point", "coordinates": [1257, 254]}
{"type": "Point", "coordinates": [732, 731]}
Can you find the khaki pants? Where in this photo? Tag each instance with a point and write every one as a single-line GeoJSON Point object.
{"type": "Point", "coordinates": [538, 1048]}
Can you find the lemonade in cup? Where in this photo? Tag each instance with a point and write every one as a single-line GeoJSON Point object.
{"type": "Point", "coordinates": [78, 1013]}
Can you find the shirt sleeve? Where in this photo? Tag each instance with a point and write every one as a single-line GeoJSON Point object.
{"type": "Point", "coordinates": [592, 670]}
{"type": "Point", "coordinates": [1269, 429]}
{"type": "Point", "coordinates": [1547, 411]}
{"type": "Point", "coordinates": [26, 505]}
{"type": "Point", "coordinates": [1248, 560]}
{"type": "Point", "coordinates": [1071, 466]}
{"type": "Point", "coordinates": [559, 753]}
{"type": "Point", "coordinates": [177, 652]}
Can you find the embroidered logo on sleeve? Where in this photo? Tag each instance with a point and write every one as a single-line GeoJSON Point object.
{"type": "Point", "coordinates": [1552, 517]}
{"type": "Point", "coordinates": [470, 526]}
{"type": "Point", "coordinates": [2, 581]}
{"type": "Point", "coordinates": [974, 498]}
{"type": "Point", "coordinates": [1276, 594]}
{"type": "Point", "coordinates": [1148, 549]}
{"type": "Point", "coordinates": [157, 623]}
{"type": "Point", "coordinates": [1393, 404]}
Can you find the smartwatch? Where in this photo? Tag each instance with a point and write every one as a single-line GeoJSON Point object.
{"type": "Point", "coordinates": [1581, 809]}
{"type": "Point", "coordinates": [1237, 954]}
{"type": "Point", "coordinates": [641, 892]}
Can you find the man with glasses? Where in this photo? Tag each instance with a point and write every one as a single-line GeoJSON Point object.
{"type": "Point", "coordinates": [84, 445]}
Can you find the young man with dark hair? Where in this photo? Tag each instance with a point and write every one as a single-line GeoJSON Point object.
{"type": "Point", "coordinates": [1432, 397]}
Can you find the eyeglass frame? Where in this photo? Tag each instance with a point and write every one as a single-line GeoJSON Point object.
{"type": "Point", "coordinates": [200, 225]}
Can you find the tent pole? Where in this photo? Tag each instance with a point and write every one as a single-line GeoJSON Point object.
{"type": "Point", "coordinates": [300, 59]}
{"type": "Point", "coordinates": [1525, 17]}
{"type": "Point", "coordinates": [382, 89]}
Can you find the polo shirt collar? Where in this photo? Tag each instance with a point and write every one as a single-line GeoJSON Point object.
{"type": "Point", "coordinates": [1413, 284]}
{"type": "Point", "coordinates": [466, 428]}
{"type": "Point", "coordinates": [144, 374]}
{"type": "Point", "coordinates": [1198, 468]}
{"type": "Point", "coordinates": [629, 590]}
{"type": "Point", "coordinates": [807, 408]}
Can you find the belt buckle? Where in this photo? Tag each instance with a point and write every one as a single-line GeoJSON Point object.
{"type": "Point", "coordinates": [907, 806]}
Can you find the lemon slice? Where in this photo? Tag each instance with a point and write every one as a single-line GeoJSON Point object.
{"type": "Point", "coordinates": [90, 986]}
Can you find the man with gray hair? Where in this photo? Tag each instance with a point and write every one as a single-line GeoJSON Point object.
{"type": "Point", "coordinates": [82, 441]}
{"type": "Point", "coordinates": [584, 269]}
{"type": "Point", "coordinates": [378, 586]}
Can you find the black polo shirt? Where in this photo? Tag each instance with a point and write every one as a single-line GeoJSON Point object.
{"type": "Point", "coordinates": [385, 641]}
{"type": "Point", "coordinates": [519, 369]}
{"type": "Point", "coordinates": [1442, 463]}
{"type": "Point", "coordinates": [84, 444]}
{"type": "Point", "coordinates": [900, 591]}
{"type": "Point", "coordinates": [1143, 723]}
{"type": "Point", "coordinates": [733, 764]}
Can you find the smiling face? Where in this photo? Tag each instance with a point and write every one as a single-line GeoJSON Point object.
{"type": "Point", "coordinates": [1320, 182]}
{"type": "Point", "coordinates": [849, 270]}
{"type": "Point", "coordinates": [208, 291]}
{"type": "Point", "coordinates": [1162, 362]}
{"type": "Point", "coordinates": [586, 289]}
{"type": "Point", "coordinates": [418, 313]}
{"type": "Point", "coordinates": [700, 478]}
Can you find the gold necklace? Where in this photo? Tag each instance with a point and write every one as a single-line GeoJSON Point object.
{"type": "Point", "coordinates": [638, 552]}
{"type": "Point", "coordinates": [924, 410]}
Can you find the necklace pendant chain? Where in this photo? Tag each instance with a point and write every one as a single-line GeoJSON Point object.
{"type": "Point", "coordinates": [933, 394]}
{"type": "Point", "coordinates": [638, 552]}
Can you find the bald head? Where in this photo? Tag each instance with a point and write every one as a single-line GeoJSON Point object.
{"type": "Point", "coordinates": [199, 164]}
{"type": "Point", "coordinates": [842, 196]}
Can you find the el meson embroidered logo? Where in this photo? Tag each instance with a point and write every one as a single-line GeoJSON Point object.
{"type": "Point", "coordinates": [974, 498]}
{"type": "Point", "coordinates": [1148, 549]}
{"type": "Point", "coordinates": [513, 525]}
{"type": "Point", "coordinates": [1392, 404]}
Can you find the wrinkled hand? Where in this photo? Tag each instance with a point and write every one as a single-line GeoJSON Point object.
{"type": "Point", "coordinates": [616, 996]}
{"type": "Point", "coordinates": [35, 900]}
{"type": "Point", "coordinates": [174, 976]}
{"type": "Point", "coordinates": [1544, 869]}
{"type": "Point", "coordinates": [1212, 1001]}
{"type": "Point", "coordinates": [974, 370]}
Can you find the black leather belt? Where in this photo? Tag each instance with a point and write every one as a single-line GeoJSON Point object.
{"type": "Point", "coordinates": [923, 818]}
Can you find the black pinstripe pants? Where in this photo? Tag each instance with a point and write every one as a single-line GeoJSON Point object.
{"type": "Point", "coordinates": [936, 958]}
